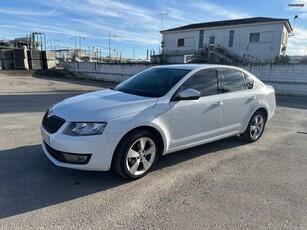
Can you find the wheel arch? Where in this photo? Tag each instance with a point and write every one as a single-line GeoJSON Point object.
{"type": "Point", "coordinates": [246, 135]}
{"type": "Point", "coordinates": [264, 111]}
{"type": "Point", "coordinates": [150, 129]}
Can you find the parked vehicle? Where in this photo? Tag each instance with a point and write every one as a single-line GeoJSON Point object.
{"type": "Point", "coordinates": [158, 111]}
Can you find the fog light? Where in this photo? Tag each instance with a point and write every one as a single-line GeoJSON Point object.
{"type": "Point", "coordinates": [77, 158]}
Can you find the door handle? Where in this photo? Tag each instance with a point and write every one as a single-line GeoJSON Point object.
{"type": "Point", "coordinates": [218, 103]}
{"type": "Point", "coordinates": [252, 98]}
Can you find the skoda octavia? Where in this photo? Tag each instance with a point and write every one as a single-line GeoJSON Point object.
{"type": "Point", "coordinates": [158, 111]}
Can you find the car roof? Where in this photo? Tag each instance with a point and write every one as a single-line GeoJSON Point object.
{"type": "Point", "coordinates": [192, 66]}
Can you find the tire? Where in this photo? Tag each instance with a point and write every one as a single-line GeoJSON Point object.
{"type": "Point", "coordinates": [255, 127]}
{"type": "Point", "coordinates": [136, 154]}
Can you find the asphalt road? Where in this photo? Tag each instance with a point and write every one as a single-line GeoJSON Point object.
{"type": "Point", "coordinates": [223, 185]}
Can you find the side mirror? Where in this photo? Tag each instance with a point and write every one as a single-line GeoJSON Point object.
{"type": "Point", "coordinates": [188, 94]}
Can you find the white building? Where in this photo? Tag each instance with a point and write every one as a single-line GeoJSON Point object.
{"type": "Point", "coordinates": [244, 40]}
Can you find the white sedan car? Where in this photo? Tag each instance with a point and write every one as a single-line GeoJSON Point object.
{"type": "Point", "coordinates": [158, 111]}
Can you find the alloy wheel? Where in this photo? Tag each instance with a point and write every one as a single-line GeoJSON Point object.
{"type": "Point", "coordinates": [141, 155]}
{"type": "Point", "coordinates": [256, 127]}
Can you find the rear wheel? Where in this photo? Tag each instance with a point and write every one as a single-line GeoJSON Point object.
{"type": "Point", "coordinates": [136, 155]}
{"type": "Point", "coordinates": [255, 127]}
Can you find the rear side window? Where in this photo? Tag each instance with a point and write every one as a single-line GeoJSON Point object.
{"type": "Point", "coordinates": [204, 81]}
{"type": "Point", "coordinates": [249, 81]}
{"type": "Point", "coordinates": [232, 80]}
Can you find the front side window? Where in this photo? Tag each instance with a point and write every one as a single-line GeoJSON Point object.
{"type": "Point", "coordinates": [154, 82]}
{"type": "Point", "coordinates": [254, 37]}
{"type": "Point", "coordinates": [204, 81]}
{"type": "Point", "coordinates": [232, 80]}
{"type": "Point", "coordinates": [180, 42]}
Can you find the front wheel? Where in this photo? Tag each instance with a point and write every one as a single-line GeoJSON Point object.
{"type": "Point", "coordinates": [255, 127]}
{"type": "Point", "coordinates": [136, 155]}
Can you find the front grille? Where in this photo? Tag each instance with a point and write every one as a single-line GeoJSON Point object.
{"type": "Point", "coordinates": [52, 124]}
{"type": "Point", "coordinates": [59, 155]}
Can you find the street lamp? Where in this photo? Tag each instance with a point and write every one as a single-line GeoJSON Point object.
{"type": "Point", "coordinates": [295, 17]}
{"type": "Point", "coordinates": [292, 34]}
{"type": "Point", "coordinates": [113, 36]}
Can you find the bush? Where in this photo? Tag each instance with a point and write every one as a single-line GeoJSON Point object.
{"type": "Point", "coordinates": [282, 60]}
{"type": "Point", "coordinates": [303, 61]}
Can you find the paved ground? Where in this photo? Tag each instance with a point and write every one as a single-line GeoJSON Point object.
{"type": "Point", "coordinates": [223, 185]}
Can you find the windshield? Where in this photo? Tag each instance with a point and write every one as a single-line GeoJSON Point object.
{"type": "Point", "coordinates": [154, 82]}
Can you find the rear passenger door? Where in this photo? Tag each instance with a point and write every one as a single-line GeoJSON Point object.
{"type": "Point", "coordinates": [239, 99]}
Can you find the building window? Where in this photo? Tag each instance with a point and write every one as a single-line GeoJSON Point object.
{"type": "Point", "coordinates": [212, 40]}
{"type": "Point", "coordinates": [231, 38]}
{"type": "Point", "coordinates": [180, 42]}
{"type": "Point", "coordinates": [201, 39]}
{"type": "Point", "coordinates": [254, 37]}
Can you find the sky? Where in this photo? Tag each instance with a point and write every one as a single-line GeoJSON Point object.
{"type": "Point", "coordinates": [133, 26]}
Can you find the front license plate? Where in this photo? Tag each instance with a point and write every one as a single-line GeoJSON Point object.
{"type": "Point", "coordinates": [45, 137]}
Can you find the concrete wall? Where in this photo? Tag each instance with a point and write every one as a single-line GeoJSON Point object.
{"type": "Point", "coordinates": [286, 79]}
{"type": "Point", "coordinates": [105, 72]}
{"type": "Point", "coordinates": [12, 58]}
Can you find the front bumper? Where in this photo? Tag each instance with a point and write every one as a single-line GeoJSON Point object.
{"type": "Point", "coordinates": [98, 148]}
{"type": "Point", "coordinates": [72, 158]}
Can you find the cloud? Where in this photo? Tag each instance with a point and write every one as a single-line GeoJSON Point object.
{"type": "Point", "coordinates": [116, 14]}
{"type": "Point", "coordinates": [297, 43]}
{"type": "Point", "coordinates": [303, 16]}
{"type": "Point", "coordinates": [92, 19]}
{"type": "Point", "coordinates": [92, 8]}
{"type": "Point", "coordinates": [191, 11]}
{"type": "Point", "coordinates": [26, 27]}
{"type": "Point", "coordinates": [299, 2]}
{"type": "Point", "coordinates": [217, 10]}
{"type": "Point", "coordinates": [30, 12]}
{"type": "Point", "coordinates": [135, 23]}
{"type": "Point", "coordinates": [101, 31]}
{"type": "Point", "coordinates": [84, 8]}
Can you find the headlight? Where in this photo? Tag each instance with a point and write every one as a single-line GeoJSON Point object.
{"type": "Point", "coordinates": [84, 128]}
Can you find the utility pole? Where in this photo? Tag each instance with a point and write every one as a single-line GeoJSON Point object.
{"type": "Point", "coordinates": [113, 36]}
{"type": "Point", "coordinates": [54, 43]}
{"type": "Point", "coordinates": [162, 18]}
{"type": "Point", "coordinates": [80, 38]}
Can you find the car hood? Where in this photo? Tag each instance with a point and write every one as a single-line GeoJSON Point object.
{"type": "Point", "coordinates": [101, 106]}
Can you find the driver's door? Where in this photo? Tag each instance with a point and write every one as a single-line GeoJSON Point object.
{"type": "Point", "coordinates": [196, 120]}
